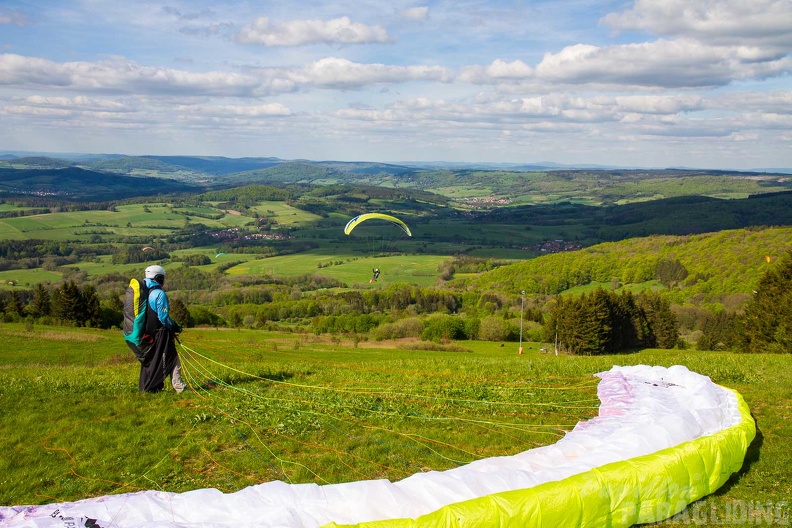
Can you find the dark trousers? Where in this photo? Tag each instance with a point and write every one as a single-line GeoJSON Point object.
{"type": "Point", "coordinates": [158, 362]}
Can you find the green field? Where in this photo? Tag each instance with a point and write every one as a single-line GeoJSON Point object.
{"type": "Point", "coordinates": [418, 269]}
{"type": "Point", "coordinates": [284, 214]}
{"type": "Point", "coordinates": [267, 403]}
{"type": "Point", "coordinates": [127, 220]}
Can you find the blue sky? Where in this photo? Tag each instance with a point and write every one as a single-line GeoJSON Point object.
{"type": "Point", "coordinates": [651, 83]}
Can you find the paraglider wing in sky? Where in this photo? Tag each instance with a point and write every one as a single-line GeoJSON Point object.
{"type": "Point", "coordinates": [369, 216]}
{"type": "Point", "coordinates": [148, 248]}
{"type": "Point", "coordinates": [664, 438]}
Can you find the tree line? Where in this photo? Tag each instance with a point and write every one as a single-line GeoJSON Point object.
{"type": "Point", "coordinates": [599, 322]}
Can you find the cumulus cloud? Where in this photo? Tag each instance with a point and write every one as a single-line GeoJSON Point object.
{"type": "Point", "coordinates": [264, 110]}
{"type": "Point", "coordinates": [342, 73]}
{"type": "Point", "coordinates": [75, 103]}
{"type": "Point", "coordinates": [416, 13]}
{"type": "Point", "coordinates": [304, 32]}
{"type": "Point", "coordinates": [727, 22]}
{"type": "Point", "coordinates": [663, 63]}
{"type": "Point", "coordinates": [535, 111]}
{"type": "Point", "coordinates": [126, 77]}
{"type": "Point", "coordinates": [775, 102]}
{"type": "Point", "coordinates": [498, 70]}
{"type": "Point", "coordinates": [122, 76]}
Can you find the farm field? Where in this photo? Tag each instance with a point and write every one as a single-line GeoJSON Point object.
{"type": "Point", "coordinates": [418, 269]}
{"type": "Point", "coordinates": [153, 219]}
{"type": "Point", "coordinates": [73, 420]}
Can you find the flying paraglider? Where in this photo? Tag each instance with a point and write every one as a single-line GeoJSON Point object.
{"type": "Point", "coordinates": [379, 216]}
{"type": "Point", "coordinates": [219, 255]}
{"type": "Point", "coordinates": [148, 248]}
{"type": "Point", "coordinates": [664, 438]}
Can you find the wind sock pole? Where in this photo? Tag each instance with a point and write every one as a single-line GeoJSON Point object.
{"type": "Point", "coordinates": [522, 311]}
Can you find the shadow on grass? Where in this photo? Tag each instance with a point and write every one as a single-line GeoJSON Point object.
{"type": "Point", "coordinates": [752, 456]}
{"type": "Point", "coordinates": [234, 378]}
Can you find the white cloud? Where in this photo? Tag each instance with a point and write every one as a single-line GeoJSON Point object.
{"type": "Point", "coordinates": [252, 111]}
{"type": "Point", "coordinates": [119, 75]}
{"type": "Point", "coordinates": [497, 71]}
{"type": "Point", "coordinates": [342, 73]}
{"type": "Point", "coordinates": [416, 13]}
{"type": "Point", "coordinates": [727, 22]}
{"type": "Point", "coordinates": [663, 63]}
{"type": "Point", "coordinates": [304, 32]}
{"type": "Point", "coordinates": [777, 102]}
{"type": "Point", "coordinates": [75, 103]}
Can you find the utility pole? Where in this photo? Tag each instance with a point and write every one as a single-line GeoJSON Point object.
{"type": "Point", "coordinates": [522, 311]}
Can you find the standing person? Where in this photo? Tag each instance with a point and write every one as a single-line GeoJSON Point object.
{"type": "Point", "coordinates": [162, 359]}
{"type": "Point", "coordinates": [376, 275]}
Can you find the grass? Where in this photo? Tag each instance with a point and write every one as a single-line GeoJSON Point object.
{"type": "Point", "coordinates": [351, 269]}
{"type": "Point", "coordinates": [300, 408]}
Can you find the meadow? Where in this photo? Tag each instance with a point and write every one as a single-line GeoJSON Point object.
{"type": "Point", "coordinates": [300, 408]}
{"type": "Point", "coordinates": [348, 268]}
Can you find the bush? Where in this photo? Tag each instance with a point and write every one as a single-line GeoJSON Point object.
{"type": "Point", "coordinates": [411, 327]}
{"type": "Point", "coordinates": [200, 315]}
{"type": "Point", "coordinates": [494, 328]}
{"type": "Point", "coordinates": [440, 328]}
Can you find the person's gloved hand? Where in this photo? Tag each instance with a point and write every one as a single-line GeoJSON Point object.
{"type": "Point", "coordinates": [177, 329]}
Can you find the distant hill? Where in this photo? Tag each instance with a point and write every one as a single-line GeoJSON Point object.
{"type": "Point", "coordinates": [74, 183]}
{"type": "Point", "coordinates": [291, 172]}
{"type": "Point", "coordinates": [37, 162]}
{"type": "Point", "coordinates": [217, 165]}
{"type": "Point", "coordinates": [141, 166]}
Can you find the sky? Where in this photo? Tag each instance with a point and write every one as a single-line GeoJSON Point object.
{"type": "Point", "coordinates": [641, 83]}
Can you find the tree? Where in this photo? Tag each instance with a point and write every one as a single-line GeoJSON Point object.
{"type": "Point", "coordinates": [180, 313]}
{"type": "Point", "coordinates": [80, 307]}
{"type": "Point", "coordinates": [604, 322]}
{"type": "Point", "coordinates": [89, 313]}
{"type": "Point", "coordinates": [718, 332]}
{"type": "Point", "coordinates": [493, 328]}
{"type": "Point", "coordinates": [662, 325]}
{"type": "Point", "coordinates": [15, 304]}
{"type": "Point", "coordinates": [766, 325]}
{"type": "Point", "coordinates": [40, 304]}
{"type": "Point", "coordinates": [670, 272]}
{"type": "Point", "coordinates": [66, 301]}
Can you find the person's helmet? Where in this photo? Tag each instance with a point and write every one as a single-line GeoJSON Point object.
{"type": "Point", "coordinates": [155, 272]}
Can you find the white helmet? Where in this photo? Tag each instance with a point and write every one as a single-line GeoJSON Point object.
{"type": "Point", "coordinates": [153, 271]}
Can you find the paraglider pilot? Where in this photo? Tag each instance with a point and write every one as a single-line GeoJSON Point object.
{"type": "Point", "coordinates": [376, 275]}
{"type": "Point", "coordinates": [162, 359]}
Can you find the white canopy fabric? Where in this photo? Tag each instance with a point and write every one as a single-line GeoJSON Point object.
{"type": "Point", "coordinates": [664, 437]}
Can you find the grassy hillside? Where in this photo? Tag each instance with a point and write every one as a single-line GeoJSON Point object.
{"type": "Point", "coordinates": [716, 263]}
{"type": "Point", "coordinates": [301, 409]}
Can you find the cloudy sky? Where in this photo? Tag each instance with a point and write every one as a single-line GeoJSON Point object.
{"type": "Point", "coordinates": [651, 83]}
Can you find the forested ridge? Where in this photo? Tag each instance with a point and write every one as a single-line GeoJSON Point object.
{"type": "Point", "coordinates": [729, 261]}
